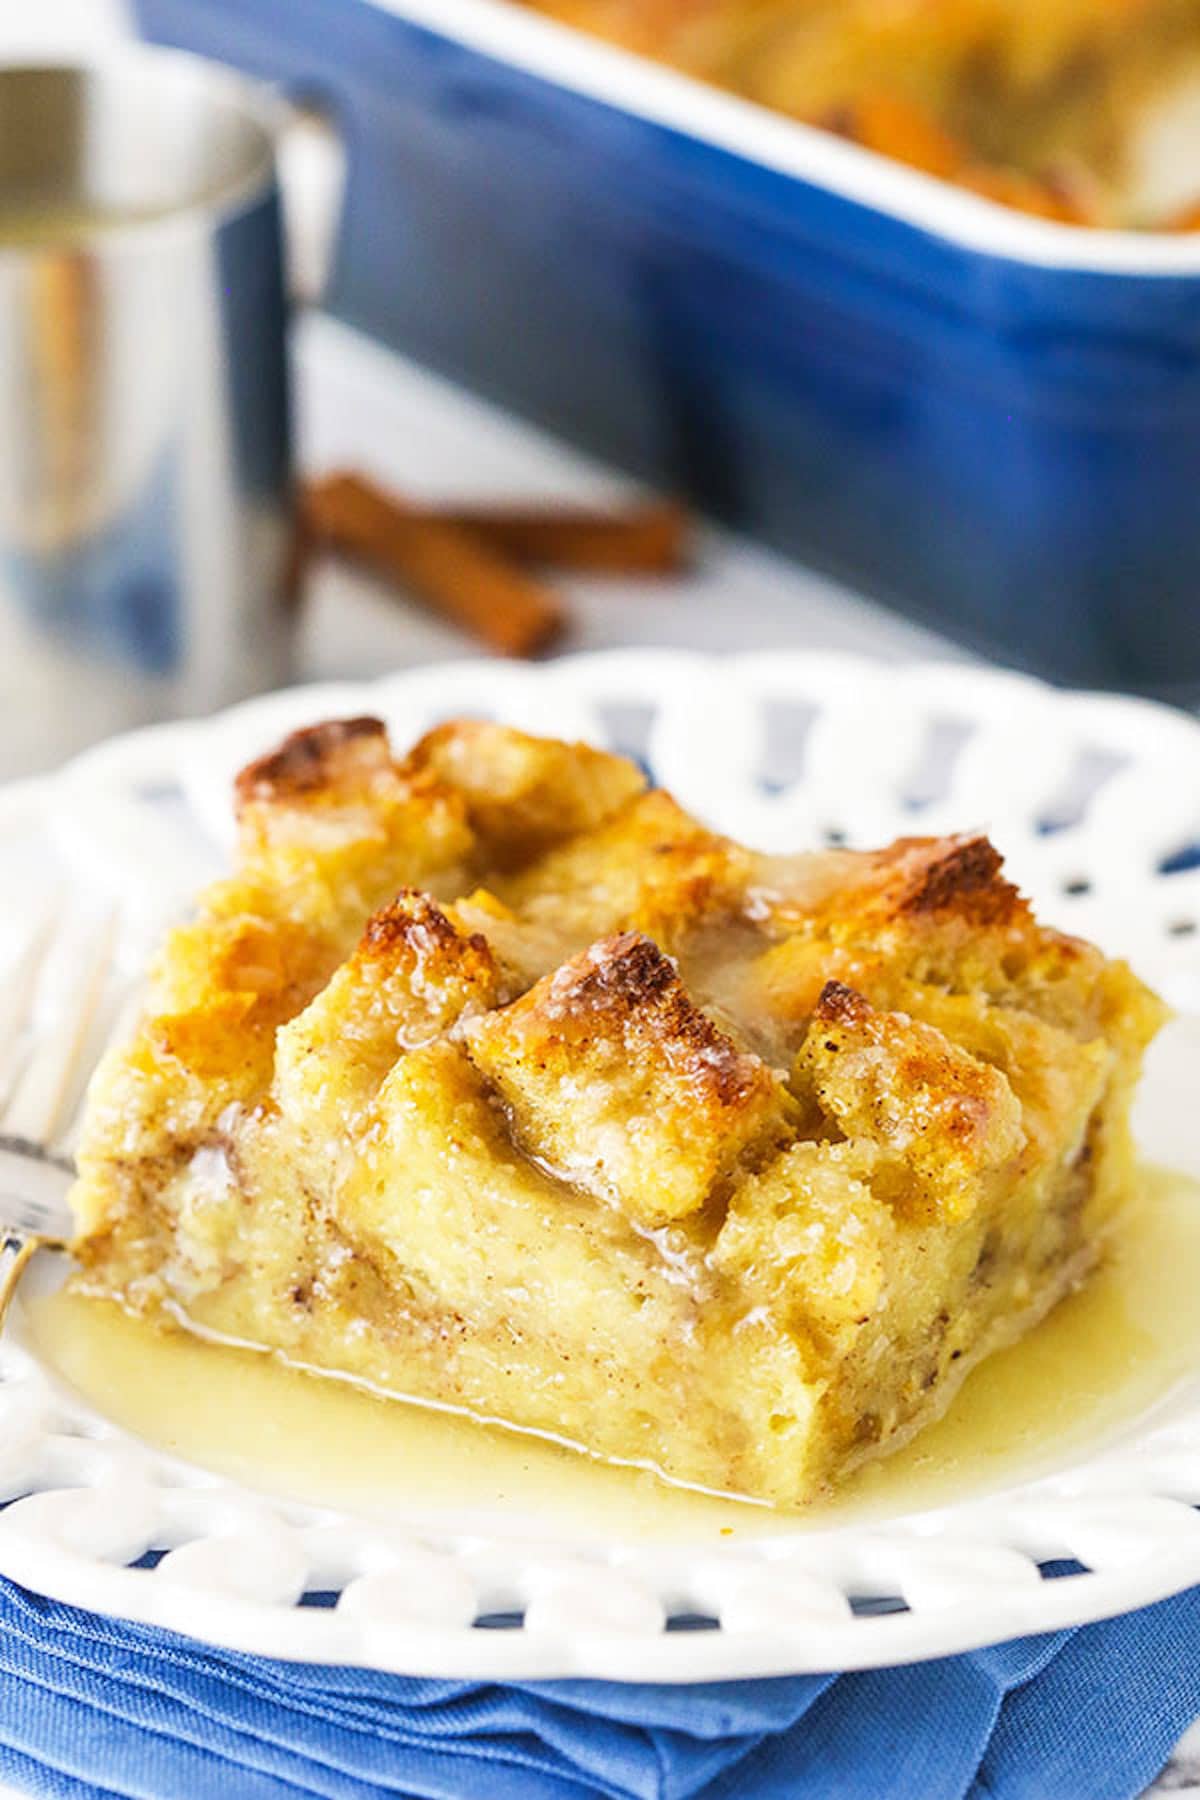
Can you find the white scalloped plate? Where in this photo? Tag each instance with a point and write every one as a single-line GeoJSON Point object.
{"type": "Point", "coordinates": [1095, 802]}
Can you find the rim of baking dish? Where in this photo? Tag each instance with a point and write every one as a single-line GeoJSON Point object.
{"type": "Point", "coordinates": [620, 78]}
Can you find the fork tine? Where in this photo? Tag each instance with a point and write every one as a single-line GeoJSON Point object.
{"type": "Point", "coordinates": [124, 1013]}
{"type": "Point", "coordinates": [67, 996]}
{"type": "Point", "coordinates": [17, 997]}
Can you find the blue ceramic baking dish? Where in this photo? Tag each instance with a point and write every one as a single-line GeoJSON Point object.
{"type": "Point", "coordinates": [989, 420]}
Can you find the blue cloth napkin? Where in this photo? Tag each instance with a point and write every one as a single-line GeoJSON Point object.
{"type": "Point", "coordinates": [91, 1706]}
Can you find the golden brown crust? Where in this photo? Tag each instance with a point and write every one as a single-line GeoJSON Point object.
{"type": "Point", "coordinates": [524, 794]}
{"type": "Point", "coordinates": [617, 1078]}
{"type": "Point", "coordinates": [412, 926]}
{"type": "Point", "coordinates": [409, 982]}
{"type": "Point", "coordinates": [417, 962]}
{"type": "Point", "coordinates": [962, 874]}
{"type": "Point", "coordinates": [937, 912]}
{"type": "Point", "coordinates": [305, 762]}
{"type": "Point", "coordinates": [624, 989]}
{"type": "Point", "coordinates": [932, 878]}
{"type": "Point", "coordinates": [943, 1116]}
{"type": "Point", "coordinates": [838, 1004]}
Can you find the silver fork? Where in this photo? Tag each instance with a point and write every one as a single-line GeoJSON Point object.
{"type": "Point", "coordinates": [60, 1004]}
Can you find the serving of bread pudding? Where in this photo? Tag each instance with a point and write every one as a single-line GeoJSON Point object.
{"type": "Point", "coordinates": [493, 1078]}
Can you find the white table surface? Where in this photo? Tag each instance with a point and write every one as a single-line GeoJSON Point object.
{"type": "Point", "coordinates": [361, 406]}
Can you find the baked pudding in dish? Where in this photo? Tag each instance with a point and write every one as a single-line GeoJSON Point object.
{"type": "Point", "coordinates": [1035, 103]}
{"type": "Point", "coordinates": [493, 1078]}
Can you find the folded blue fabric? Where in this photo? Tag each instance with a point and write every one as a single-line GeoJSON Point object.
{"type": "Point", "coordinates": [92, 1706]}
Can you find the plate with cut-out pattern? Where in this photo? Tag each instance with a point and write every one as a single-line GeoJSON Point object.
{"type": "Point", "coordinates": [1095, 802]}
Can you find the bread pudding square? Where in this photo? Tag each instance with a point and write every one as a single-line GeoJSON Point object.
{"type": "Point", "coordinates": [492, 1078]}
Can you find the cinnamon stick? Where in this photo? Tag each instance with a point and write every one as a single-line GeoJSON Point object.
{"type": "Point", "coordinates": [651, 539]}
{"type": "Point", "coordinates": [455, 572]}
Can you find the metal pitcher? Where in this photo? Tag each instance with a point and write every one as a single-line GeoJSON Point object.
{"type": "Point", "coordinates": [144, 441]}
